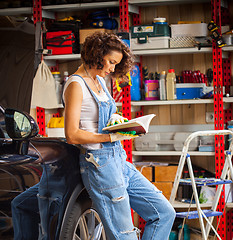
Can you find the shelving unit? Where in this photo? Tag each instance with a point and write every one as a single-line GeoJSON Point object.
{"type": "Point", "coordinates": [151, 52]}
{"type": "Point", "coordinates": [217, 102]}
{"type": "Point", "coordinates": [133, 7]}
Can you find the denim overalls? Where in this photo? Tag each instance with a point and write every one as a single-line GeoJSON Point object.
{"type": "Point", "coordinates": [115, 186]}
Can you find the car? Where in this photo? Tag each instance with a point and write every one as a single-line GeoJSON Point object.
{"type": "Point", "coordinates": [22, 154]}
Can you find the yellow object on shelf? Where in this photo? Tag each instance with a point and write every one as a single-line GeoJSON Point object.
{"type": "Point", "coordinates": [56, 122]}
{"type": "Point", "coordinates": [189, 22]}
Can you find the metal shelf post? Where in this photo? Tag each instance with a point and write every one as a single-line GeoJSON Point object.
{"type": "Point", "coordinates": [218, 114]}
{"type": "Point", "coordinates": [40, 112]}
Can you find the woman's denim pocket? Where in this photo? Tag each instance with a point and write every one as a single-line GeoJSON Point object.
{"type": "Point", "coordinates": [103, 172]}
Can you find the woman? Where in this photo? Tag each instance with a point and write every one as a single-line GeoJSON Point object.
{"type": "Point", "coordinates": [113, 184]}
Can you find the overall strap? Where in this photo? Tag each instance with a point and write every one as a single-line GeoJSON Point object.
{"type": "Point", "coordinates": [105, 89]}
{"type": "Point", "coordinates": [92, 93]}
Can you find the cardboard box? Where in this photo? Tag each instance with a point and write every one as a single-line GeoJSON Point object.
{"type": "Point", "coordinates": [83, 33]}
{"type": "Point", "coordinates": [165, 187]}
{"type": "Point", "coordinates": [165, 173]}
{"type": "Point", "coordinates": [146, 171]}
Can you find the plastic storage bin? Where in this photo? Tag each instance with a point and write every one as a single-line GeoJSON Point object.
{"type": "Point", "coordinates": [189, 90]}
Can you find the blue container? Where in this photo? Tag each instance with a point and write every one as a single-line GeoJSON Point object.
{"type": "Point", "coordinates": [136, 82]}
{"type": "Point", "coordinates": [124, 36]}
{"type": "Point", "coordinates": [189, 90]}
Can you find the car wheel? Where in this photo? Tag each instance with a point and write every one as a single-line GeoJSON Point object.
{"type": "Point", "coordinates": [84, 223]}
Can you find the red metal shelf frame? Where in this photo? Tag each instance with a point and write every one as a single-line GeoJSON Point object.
{"type": "Point", "coordinates": [220, 67]}
{"type": "Point", "coordinates": [40, 112]}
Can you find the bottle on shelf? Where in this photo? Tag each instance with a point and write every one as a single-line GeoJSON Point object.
{"type": "Point", "coordinates": [171, 85]}
{"type": "Point", "coordinates": [186, 189]}
{"type": "Point", "coordinates": [58, 85]}
{"type": "Point", "coordinates": [162, 86]}
{"type": "Point", "coordinates": [135, 90]}
{"type": "Point", "coordinates": [151, 90]}
{"type": "Point", "coordinates": [66, 76]}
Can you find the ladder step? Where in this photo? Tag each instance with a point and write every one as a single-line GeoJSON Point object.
{"type": "Point", "coordinates": [204, 181]}
{"type": "Point", "coordinates": [194, 214]}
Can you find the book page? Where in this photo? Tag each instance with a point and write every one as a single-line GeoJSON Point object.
{"type": "Point", "coordinates": [140, 125]}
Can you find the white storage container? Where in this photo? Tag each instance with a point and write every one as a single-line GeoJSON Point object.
{"type": "Point", "coordinates": [193, 30]}
{"type": "Point", "coordinates": [152, 43]}
{"type": "Point", "coordinates": [155, 142]}
{"type": "Point", "coordinates": [56, 132]}
{"type": "Point", "coordinates": [168, 141]}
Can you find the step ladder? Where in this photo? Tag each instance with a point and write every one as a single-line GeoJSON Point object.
{"type": "Point", "coordinates": [208, 215]}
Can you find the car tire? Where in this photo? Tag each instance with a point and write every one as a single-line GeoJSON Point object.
{"type": "Point", "coordinates": [83, 223]}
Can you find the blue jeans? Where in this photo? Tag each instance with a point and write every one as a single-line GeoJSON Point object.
{"type": "Point", "coordinates": [53, 189]}
{"type": "Point", "coordinates": [115, 186]}
{"type": "Point", "coordinates": [25, 215]}
{"type": "Point", "coordinates": [34, 209]}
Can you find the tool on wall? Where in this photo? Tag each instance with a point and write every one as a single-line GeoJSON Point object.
{"type": "Point", "coordinates": [215, 34]}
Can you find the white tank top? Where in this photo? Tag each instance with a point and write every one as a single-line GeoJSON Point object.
{"type": "Point", "coordinates": [89, 116]}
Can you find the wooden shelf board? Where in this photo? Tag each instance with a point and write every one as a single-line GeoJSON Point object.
{"type": "Point", "coordinates": [80, 6]}
{"type": "Point", "coordinates": [164, 2]}
{"type": "Point", "coordinates": [170, 51]}
{"type": "Point", "coordinates": [177, 102]}
{"type": "Point", "coordinates": [178, 204]}
{"type": "Point", "coordinates": [63, 57]}
{"type": "Point", "coordinates": [15, 11]}
{"type": "Point", "coordinates": [170, 153]}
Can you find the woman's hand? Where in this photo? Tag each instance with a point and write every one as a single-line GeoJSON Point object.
{"type": "Point", "coordinates": [119, 136]}
{"type": "Point", "coordinates": [116, 119]}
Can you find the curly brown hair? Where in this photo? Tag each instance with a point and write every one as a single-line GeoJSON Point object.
{"type": "Point", "coordinates": [99, 44]}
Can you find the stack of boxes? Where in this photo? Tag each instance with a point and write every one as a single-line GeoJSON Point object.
{"type": "Point", "coordinates": [164, 179]}
{"type": "Point", "coordinates": [161, 176]}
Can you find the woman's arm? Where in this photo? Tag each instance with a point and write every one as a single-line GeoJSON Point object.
{"type": "Point", "coordinates": [74, 135]}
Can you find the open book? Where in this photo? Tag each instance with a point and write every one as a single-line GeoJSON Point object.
{"type": "Point", "coordinates": [140, 125]}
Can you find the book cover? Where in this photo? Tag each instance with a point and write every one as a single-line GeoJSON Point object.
{"type": "Point", "coordinates": [140, 125]}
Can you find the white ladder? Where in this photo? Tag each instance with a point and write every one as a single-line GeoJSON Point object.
{"type": "Point", "coordinates": [208, 215]}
